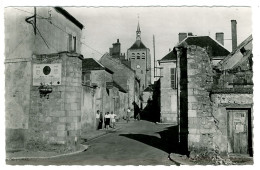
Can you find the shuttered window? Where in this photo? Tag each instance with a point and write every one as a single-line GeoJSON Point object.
{"type": "Point", "coordinates": [173, 78]}
{"type": "Point", "coordinates": [86, 79]}
{"type": "Point", "coordinates": [133, 55]}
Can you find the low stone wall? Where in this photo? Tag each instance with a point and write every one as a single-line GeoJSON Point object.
{"type": "Point", "coordinates": [57, 120]}
{"type": "Point", "coordinates": [222, 102]}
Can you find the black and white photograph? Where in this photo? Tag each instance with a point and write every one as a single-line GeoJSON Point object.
{"type": "Point", "coordinates": [129, 85]}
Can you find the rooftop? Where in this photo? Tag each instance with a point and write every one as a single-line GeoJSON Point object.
{"type": "Point", "coordinates": [228, 62]}
{"type": "Point", "coordinates": [170, 56]}
{"type": "Point", "coordinates": [119, 87]}
{"type": "Point", "coordinates": [92, 64]}
{"type": "Point", "coordinates": [138, 45]}
{"type": "Point", "coordinates": [69, 17]}
{"type": "Point", "coordinates": [218, 50]}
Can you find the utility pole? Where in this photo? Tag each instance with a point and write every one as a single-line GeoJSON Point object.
{"type": "Point", "coordinates": [154, 57]}
{"type": "Point", "coordinates": [35, 20]}
{"type": "Point", "coordinates": [155, 65]}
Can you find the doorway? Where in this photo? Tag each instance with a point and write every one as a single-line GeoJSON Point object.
{"type": "Point", "coordinates": [240, 130]}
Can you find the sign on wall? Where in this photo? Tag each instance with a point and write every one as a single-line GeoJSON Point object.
{"type": "Point", "coordinates": [46, 74]}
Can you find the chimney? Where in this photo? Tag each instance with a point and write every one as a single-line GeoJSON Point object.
{"type": "Point", "coordinates": [220, 37]}
{"type": "Point", "coordinates": [182, 36]}
{"type": "Point", "coordinates": [234, 34]}
{"type": "Point", "coordinates": [190, 34]}
{"type": "Point", "coordinates": [169, 50]}
{"type": "Point", "coordinates": [117, 40]}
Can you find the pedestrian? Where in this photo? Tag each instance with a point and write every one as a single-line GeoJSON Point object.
{"type": "Point", "coordinates": [113, 119]}
{"type": "Point", "coordinates": [97, 119]}
{"type": "Point", "coordinates": [101, 121]}
{"type": "Point", "coordinates": [128, 115]}
{"type": "Point", "coordinates": [107, 120]}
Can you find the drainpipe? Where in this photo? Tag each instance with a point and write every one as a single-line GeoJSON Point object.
{"type": "Point", "coordinates": [178, 90]}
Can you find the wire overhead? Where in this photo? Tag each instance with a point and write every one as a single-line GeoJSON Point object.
{"type": "Point", "coordinates": [50, 22]}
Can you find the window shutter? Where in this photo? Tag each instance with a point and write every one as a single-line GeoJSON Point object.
{"type": "Point", "coordinates": [173, 78]}
{"type": "Point", "coordinates": [70, 42]}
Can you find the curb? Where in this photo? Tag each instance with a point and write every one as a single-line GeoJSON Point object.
{"type": "Point", "coordinates": [158, 123]}
{"type": "Point", "coordinates": [180, 159]}
{"type": "Point", "coordinates": [105, 133]}
{"type": "Point", "coordinates": [84, 148]}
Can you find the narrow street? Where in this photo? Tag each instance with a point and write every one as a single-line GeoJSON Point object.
{"type": "Point", "coordinates": [135, 143]}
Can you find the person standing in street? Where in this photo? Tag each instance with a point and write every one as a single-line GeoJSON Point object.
{"type": "Point", "coordinates": [113, 119]}
{"type": "Point", "coordinates": [97, 119]}
{"type": "Point", "coordinates": [128, 115]}
{"type": "Point", "coordinates": [107, 120]}
{"type": "Point", "coordinates": [101, 121]}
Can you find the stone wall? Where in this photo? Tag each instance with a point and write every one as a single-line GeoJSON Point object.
{"type": "Point", "coordinates": [57, 120]}
{"type": "Point", "coordinates": [20, 45]}
{"type": "Point", "coordinates": [88, 110]}
{"type": "Point", "coordinates": [17, 101]}
{"type": "Point", "coordinates": [201, 122]}
{"type": "Point", "coordinates": [147, 95]}
{"type": "Point", "coordinates": [222, 102]}
{"type": "Point", "coordinates": [123, 105]}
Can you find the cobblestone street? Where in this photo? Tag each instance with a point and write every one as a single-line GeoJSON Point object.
{"type": "Point", "coordinates": [135, 143]}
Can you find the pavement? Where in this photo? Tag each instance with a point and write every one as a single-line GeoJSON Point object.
{"type": "Point", "coordinates": [86, 137]}
{"type": "Point", "coordinates": [132, 143]}
{"type": "Point", "coordinates": [236, 159]}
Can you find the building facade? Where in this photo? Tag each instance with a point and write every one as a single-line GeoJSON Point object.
{"type": "Point", "coordinates": [100, 92]}
{"type": "Point", "coordinates": [215, 111]}
{"type": "Point", "coordinates": [125, 77]}
{"type": "Point", "coordinates": [168, 88]}
{"type": "Point", "coordinates": [139, 56]}
{"type": "Point", "coordinates": [35, 39]}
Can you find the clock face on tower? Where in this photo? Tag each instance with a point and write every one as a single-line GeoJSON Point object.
{"type": "Point", "coordinates": [138, 66]}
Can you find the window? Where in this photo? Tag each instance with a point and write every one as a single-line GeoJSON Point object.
{"type": "Point", "coordinates": [72, 43]}
{"type": "Point", "coordinates": [133, 55]}
{"type": "Point", "coordinates": [138, 56]}
{"type": "Point", "coordinates": [173, 78]}
{"type": "Point", "coordinates": [143, 55]}
{"type": "Point", "coordinates": [86, 79]}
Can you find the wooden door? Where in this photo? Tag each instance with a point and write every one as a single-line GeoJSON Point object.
{"type": "Point", "coordinates": [238, 130]}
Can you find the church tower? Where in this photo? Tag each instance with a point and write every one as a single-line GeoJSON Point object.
{"type": "Point", "coordinates": [139, 56]}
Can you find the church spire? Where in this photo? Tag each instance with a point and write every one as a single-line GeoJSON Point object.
{"type": "Point", "coordinates": [138, 31]}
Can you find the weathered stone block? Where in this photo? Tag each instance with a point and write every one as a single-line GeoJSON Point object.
{"type": "Point", "coordinates": [72, 133]}
{"type": "Point", "coordinates": [61, 133]}
{"type": "Point", "coordinates": [62, 119]}
{"type": "Point", "coordinates": [192, 99]}
{"type": "Point", "coordinates": [57, 113]}
{"type": "Point", "coordinates": [61, 127]}
{"type": "Point", "coordinates": [74, 106]}
{"type": "Point", "coordinates": [48, 119]}
{"type": "Point", "coordinates": [194, 137]}
{"type": "Point", "coordinates": [193, 130]}
{"type": "Point", "coordinates": [192, 113]}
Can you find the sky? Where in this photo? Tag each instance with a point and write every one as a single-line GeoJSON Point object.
{"type": "Point", "coordinates": [104, 25]}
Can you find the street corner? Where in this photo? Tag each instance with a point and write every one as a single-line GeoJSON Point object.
{"type": "Point", "coordinates": [27, 155]}
{"type": "Point", "coordinates": [179, 159]}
